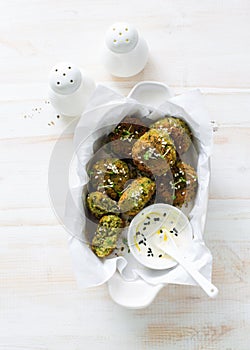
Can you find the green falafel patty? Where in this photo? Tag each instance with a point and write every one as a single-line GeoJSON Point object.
{"type": "Point", "coordinates": [109, 176]}
{"type": "Point", "coordinates": [178, 130]}
{"type": "Point", "coordinates": [100, 204]}
{"type": "Point", "coordinates": [106, 236]}
{"type": "Point", "coordinates": [136, 196]}
{"type": "Point", "coordinates": [185, 183]}
{"type": "Point", "coordinates": [154, 152]}
{"type": "Point", "coordinates": [125, 134]}
{"type": "Point", "coordinates": [164, 190]}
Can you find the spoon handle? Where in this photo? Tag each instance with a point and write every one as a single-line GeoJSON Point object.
{"type": "Point", "coordinates": [204, 283]}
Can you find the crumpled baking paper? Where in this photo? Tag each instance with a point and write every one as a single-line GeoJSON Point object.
{"type": "Point", "coordinates": [106, 109]}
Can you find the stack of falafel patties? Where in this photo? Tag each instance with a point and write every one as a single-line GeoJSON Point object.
{"type": "Point", "coordinates": [144, 165]}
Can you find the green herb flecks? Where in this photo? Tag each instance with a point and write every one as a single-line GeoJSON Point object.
{"type": "Point", "coordinates": [125, 242]}
{"type": "Point", "coordinates": [127, 135]}
{"type": "Point", "coordinates": [179, 181]}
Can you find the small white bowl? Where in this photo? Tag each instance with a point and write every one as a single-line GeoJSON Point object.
{"type": "Point", "coordinates": [162, 219]}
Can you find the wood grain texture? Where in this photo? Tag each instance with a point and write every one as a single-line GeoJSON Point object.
{"type": "Point", "coordinates": [194, 44]}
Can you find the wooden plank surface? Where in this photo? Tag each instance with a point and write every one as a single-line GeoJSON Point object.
{"type": "Point", "coordinates": [204, 44]}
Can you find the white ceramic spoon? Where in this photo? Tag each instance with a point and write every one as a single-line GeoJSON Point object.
{"type": "Point", "coordinates": [170, 248]}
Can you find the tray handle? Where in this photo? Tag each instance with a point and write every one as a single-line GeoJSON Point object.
{"type": "Point", "coordinates": [151, 93]}
{"type": "Point", "coordinates": [132, 295]}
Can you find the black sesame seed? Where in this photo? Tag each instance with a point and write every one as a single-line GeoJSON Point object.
{"type": "Point", "coordinates": [144, 228]}
{"type": "Point", "coordinates": [160, 255]}
{"type": "Point", "coordinates": [164, 214]}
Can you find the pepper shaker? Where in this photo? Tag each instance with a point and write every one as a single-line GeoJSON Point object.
{"type": "Point", "coordinates": [69, 89]}
{"type": "Point", "coordinates": [125, 52]}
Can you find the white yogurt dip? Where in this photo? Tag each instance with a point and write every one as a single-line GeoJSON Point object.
{"type": "Point", "coordinates": [163, 220]}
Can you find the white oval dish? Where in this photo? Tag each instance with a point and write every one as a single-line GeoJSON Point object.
{"type": "Point", "coordinates": [139, 293]}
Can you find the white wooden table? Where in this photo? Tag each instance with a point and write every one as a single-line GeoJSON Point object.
{"type": "Point", "coordinates": [194, 43]}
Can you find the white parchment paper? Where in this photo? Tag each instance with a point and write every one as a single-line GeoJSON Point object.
{"type": "Point", "coordinates": [106, 109]}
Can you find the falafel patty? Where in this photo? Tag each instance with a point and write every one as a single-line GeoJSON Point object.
{"type": "Point", "coordinates": [178, 130]}
{"type": "Point", "coordinates": [100, 204]}
{"type": "Point", "coordinates": [164, 190]}
{"type": "Point", "coordinates": [185, 183]}
{"type": "Point", "coordinates": [106, 236]}
{"type": "Point", "coordinates": [154, 152]}
{"type": "Point", "coordinates": [109, 176]}
{"type": "Point", "coordinates": [124, 136]}
{"type": "Point", "coordinates": [136, 196]}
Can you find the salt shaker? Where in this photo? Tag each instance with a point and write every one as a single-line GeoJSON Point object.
{"type": "Point", "coordinates": [69, 89]}
{"type": "Point", "coordinates": [125, 52]}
